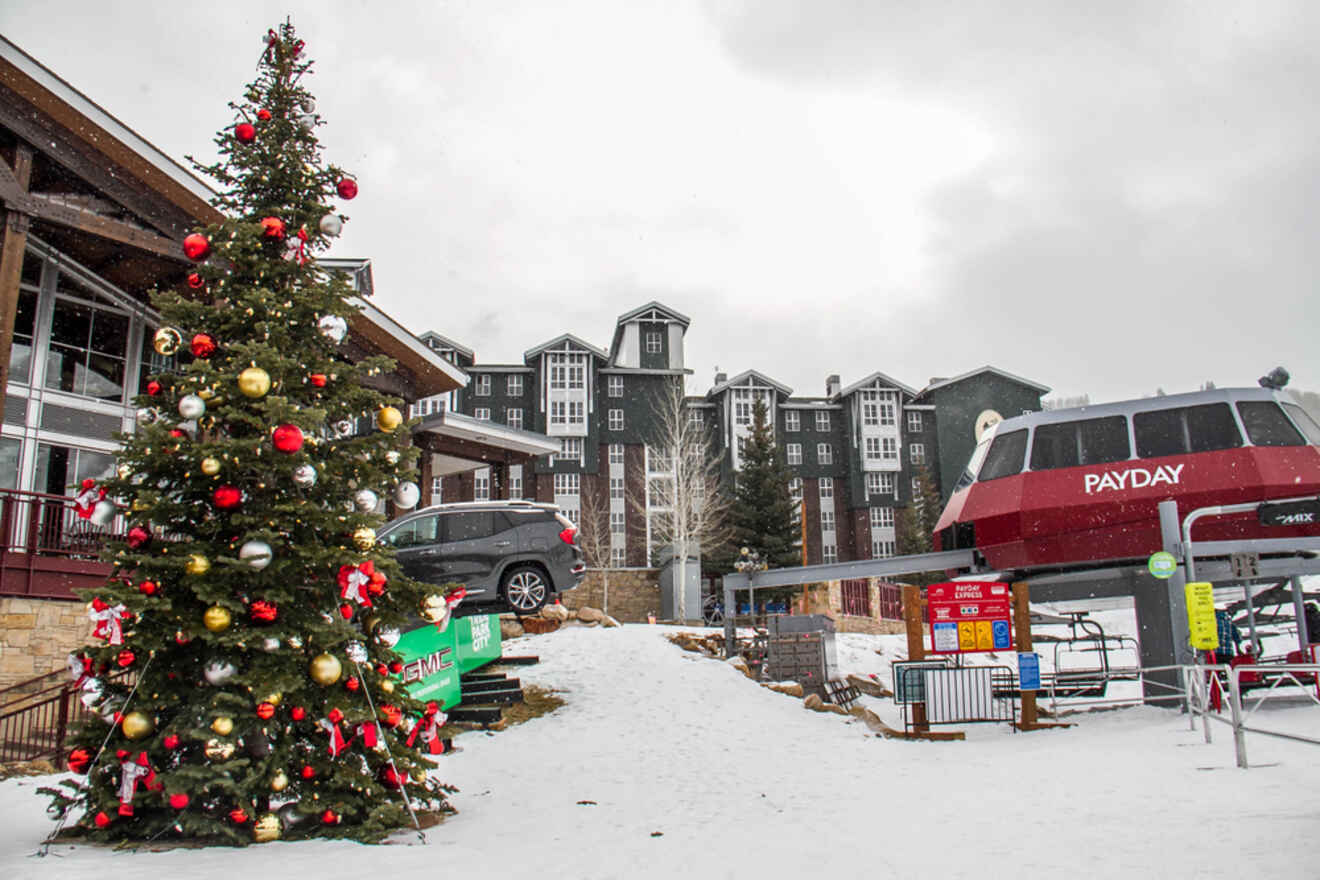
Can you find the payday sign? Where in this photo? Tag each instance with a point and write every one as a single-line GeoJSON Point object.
{"type": "Point", "coordinates": [969, 616]}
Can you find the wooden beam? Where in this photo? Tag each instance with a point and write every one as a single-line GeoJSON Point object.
{"type": "Point", "coordinates": [11, 264]}
{"type": "Point", "coordinates": [1022, 627]}
{"type": "Point", "coordinates": [912, 605]}
{"type": "Point", "coordinates": [42, 207]}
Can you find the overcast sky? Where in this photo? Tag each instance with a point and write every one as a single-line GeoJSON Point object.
{"type": "Point", "coordinates": [1105, 198]}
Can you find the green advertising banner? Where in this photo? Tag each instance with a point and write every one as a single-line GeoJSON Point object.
{"type": "Point", "coordinates": [434, 660]}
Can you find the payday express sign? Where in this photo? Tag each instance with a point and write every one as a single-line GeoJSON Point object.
{"type": "Point", "coordinates": [968, 616]}
{"type": "Point", "coordinates": [434, 660]}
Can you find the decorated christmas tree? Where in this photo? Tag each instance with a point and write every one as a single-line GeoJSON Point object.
{"type": "Point", "coordinates": [243, 682]}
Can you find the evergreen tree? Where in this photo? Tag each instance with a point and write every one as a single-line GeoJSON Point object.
{"type": "Point", "coordinates": [764, 516]}
{"type": "Point", "coordinates": [250, 601]}
{"type": "Point", "coordinates": [916, 524]}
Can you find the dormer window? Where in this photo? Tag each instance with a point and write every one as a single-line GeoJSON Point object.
{"type": "Point", "coordinates": [652, 343]}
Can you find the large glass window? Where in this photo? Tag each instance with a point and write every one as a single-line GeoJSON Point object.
{"type": "Point", "coordinates": [25, 322]}
{"type": "Point", "coordinates": [1266, 424]}
{"type": "Point", "coordinates": [1005, 457]}
{"type": "Point", "coordinates": [9, 451]}
{"type": "Point", "coordinates": [61, 469]}
{"type": "Point", "coordinates": [1089, 441]}
{"type": "Point", "coordinates": [1186, 429]}
{"type": "Point", "coordinates": [1304, 421]}
{"type": "Point", "coordinates": [88, 345]}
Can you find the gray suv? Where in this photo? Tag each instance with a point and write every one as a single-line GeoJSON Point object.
{"type": "Point", "coordinates": [504, 552]}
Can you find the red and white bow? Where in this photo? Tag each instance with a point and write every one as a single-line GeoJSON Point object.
{"type": "Point", "coordinates": [135, 771]}
{"type": "Point", "coordinates": [358, 583]}
{"type": "Point", "coordinates": [85, 501]}
{"type": "Point", "coordinates": [330, 724]}
{"type": "Point", "coordinates": [428, 728]}
{"type": "Point", "coordinates": [108, 620]}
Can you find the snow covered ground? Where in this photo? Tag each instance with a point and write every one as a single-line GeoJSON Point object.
{"type": "Point", "coordinates": [693, 770]}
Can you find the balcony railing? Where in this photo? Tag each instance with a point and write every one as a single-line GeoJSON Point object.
{"type": "Point", "coordinates": [46, 548]}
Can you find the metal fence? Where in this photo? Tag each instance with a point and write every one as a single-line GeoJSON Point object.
{"type": "Point", "coordinates": [956, 695]}
{"type": "Point", "coordinates": [49, 525]}
{"type": "Point", "coordinates": [1249, 688]}
{"type": "Point", "coordinates": [37, 724]}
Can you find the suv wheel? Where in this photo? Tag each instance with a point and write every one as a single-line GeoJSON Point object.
{"type": "Point", "coordinates": [525, 588]}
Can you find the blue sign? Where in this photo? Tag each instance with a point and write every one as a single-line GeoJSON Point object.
{"type": "Point", "coordinates": [1029, 672]}
{"type": "Point", "coordinates": [1000, 630]}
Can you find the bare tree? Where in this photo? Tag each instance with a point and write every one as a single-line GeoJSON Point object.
{"type": "Point", "coordinates": [683, 497]}
{"type": "Point", "coordinates": [595, 537]}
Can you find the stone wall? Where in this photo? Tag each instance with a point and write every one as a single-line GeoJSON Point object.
{"type": "Point", "coordinates": [37, 635]}
{"type": "Point", "coordinates": [634, 593]}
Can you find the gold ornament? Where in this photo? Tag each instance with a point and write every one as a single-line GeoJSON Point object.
{"type": "Point", "coordinates": [254, 382]}
{"type": "Point", "coordinates": [279, 781]}
{"type": "Point", "coordinates": [124, 471]}
{"type": "Point", "coordinates": [223, 726]}
{"type": "Point", "coordinates": [217, 618]}
{"type": "Point", "coordinates": [218, 749]}
{"type": "Point", "coordinates": [273, 699]}
{"type": "Point", "coordinates": [210, 466]}
{"type": "Point", "coordinates": [198, 564]}
{"type": "Point", "coordinates": [140, 505]}
{"type": "Point", "coordinates": [137, 725]}
{"type": "Point", "coordinates": [433, 608]}
{"type": "Point", "coordinates": [266, 829]}
{"type": "Point", "coordinates": [167, 341]}
{"type": "Point", "coordinates": [387, 686]}
{"type": "Point", "coordinates": [325, 669]}
{"type": "Point", "coordinates": [364, 538]}
{"type": "Point", "coordinates": [388, 418]}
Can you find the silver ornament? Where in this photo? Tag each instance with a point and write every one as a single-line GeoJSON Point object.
{"type": "Point", "coordinates": [356, 651]}
{"type": "Point", "coordinates": [304, 476]}
{"type": "Point", "coordinates": [406, 495]}
{"type": "Point", "coordinates": [366, 500]}
{"type": "Point", "coordinates": [191, 406]}
{"type": "Point", "coordinates": [387, 636]}
{"type": "Point", "coordinates": [307, 120]}
{"type": "Point", "coordinates": [295, 642]}
{"type": "Point", "coordinates": [392, 456]}
{"type": "Point", "coordinates": [257, 554]}
{"type": "Point", "coordinates": [270, 644]}
{"type": "Point", "coordinates": [333, 328]}
{"type": "Point", "coordinates": [342, 428]}
{"type": "Point", "coordinates": [309, 105]}
{"type": "Point", "coordinates": [217, 672]}
{"type": "Point", "coordinates": [103, 513]}
{"type": "Point", "coordinates": [331, 225]}
{"type": "Point", "coordinates": [145, 416]}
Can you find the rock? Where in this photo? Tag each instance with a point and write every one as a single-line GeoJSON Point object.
{"type": "Point", "coordinates": [555, 612]}
{"type": "Point", "coordinates": [792, 688]}
{"type": "Point", "coordinates": [873, 722]}
{"type": "Point", "coordinates": [510, 628]}
{"type": "Point", "coordinates": [814, 703]}
{"type": "Point", "coordinates": [869, 686]}
{"type": "Point", "coordinates": [608, 621]}
{"type": "Point", "coordinates": [538, 625]}
{"type": "Point", "coordinates": [738, 663]}
{"type": "Point", "coordinates": [588, 614]}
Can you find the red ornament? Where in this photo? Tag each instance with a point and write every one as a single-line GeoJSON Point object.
{"type": "Point", "coordinates": [147, 588]}
{"type": "Point", "coordinates": [138, 537]}
{"type": "Point", "coordinates": [308, 772]}
{"type": "Point", "coordinates": [396, 667]}
{"type": "Point", "coordinates": [352, 683]}
{"type": "Point", "coordinates": [272, 227]}
{"type": "Point", "coordinates": [329, 817]}
{"type": "Point", "coordinates": [297, 713]}
{"type": "Point", "coordinates": [390, 715]}
{"type": "Point", "coordinates": [390, 779]}
{"type": "Point", "coordinates": [287, 438]}
{"type": "Point", "coordinates": [125, 658]}
{"type": "Point", "coordinates": [263, 114]}
{"type": "Point", "coordinates": [153, 388]}
{"type": "Point", "coordinates": [317, 379]}
{"type": "Point", "coordinates": [178, 801]}
{"type": "Point", "coordinates": [346, 611]}
{"type": "Point", "coordinates": [237, 816]}
{"type": "Point", "coordinates": [227, 497]}
{"type": "Point", "coordinates": [265, 711]}
{"type": "Point", "coordinates": [196, 246]}
{"type": "Point", "coordinates": [263, 611]}
{"type": "Point", "coordinates": [246, 132]}
{"type": "Point", "coordinates": [79, 760]}
{"type": "Point", "coordinates": [196, 281]}
{"type": "Point", "coordinates": [203, 345]}
{"type": "Point", "coordinates": [347, 188]}
{"type": "Point", "coordinates": [381, 669]}
{"type": "Point", "coordinates": [102, 820]}
{"type": "Point", "coordinates": [170, 741]}
{"type": "Point", "coordinates": [182, 638]}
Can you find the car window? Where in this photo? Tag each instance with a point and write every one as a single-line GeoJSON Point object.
{"type": "Point", "coordinates": [1267, 425]}
{"type": "Point", "coordinates": [1005, 457]}
{"type": "Point", "coordinates": [413, 533]}
{"type": "Point", "coordinates": [1304, 421]}
{"type": "Point", "coordinates": [469, 525]}
{"type": "Point", "coordinates": [1089, 441]}
{"type": "Point", "coordinates": [1185, 429]}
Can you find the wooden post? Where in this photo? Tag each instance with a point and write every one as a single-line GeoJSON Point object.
{"type": "Point", "coordinates": [1022, 627]}
{"type": "Point", "coordinates": [912, 604]}
{"type": "Point", "coordinates": [11, 265]}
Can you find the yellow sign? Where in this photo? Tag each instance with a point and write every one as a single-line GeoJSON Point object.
{"type": "Point", "coordinates": [966, 635]}
{"type": "Point", "coordinates": [985, 637]}
{"type": "Point", "coordinates": [1201, 616]}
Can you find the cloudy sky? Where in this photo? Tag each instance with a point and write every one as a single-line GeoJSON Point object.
{"type": "Point", "coordinates": [1104, 197]}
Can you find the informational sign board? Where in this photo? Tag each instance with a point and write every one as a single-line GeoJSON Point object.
{"type": "Point", "coordinates": [1029, 671]}
{"type": "Point", "coordinates": [969, 616]}
{"type": "Point", "coordinates": [433, 660]}
{"type": "Point", "coordinates": [1162, 564]}
{"type": "Point", "coordinates": [1201, 616]}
